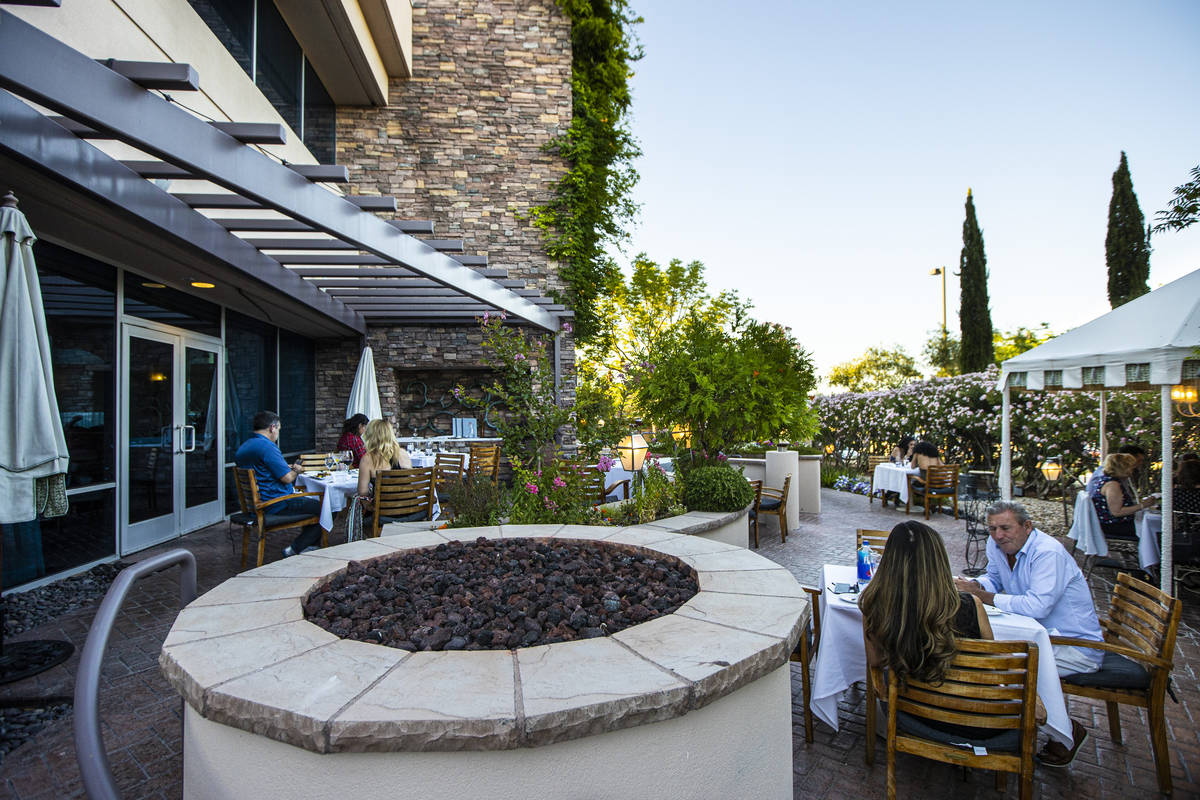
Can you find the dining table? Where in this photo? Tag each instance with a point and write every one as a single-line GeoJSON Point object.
{"type": "Point", "coordinates": [338, 488]}
{"type": "Point", "coordinates": [842, 658]}
{"type": "Point", "coordinates": [1090, 540]}
{"type": "Point", "coordinates": [890, 477]}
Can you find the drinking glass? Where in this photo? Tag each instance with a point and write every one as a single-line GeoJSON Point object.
{"type": "Point", "coordinates": [330, 461]}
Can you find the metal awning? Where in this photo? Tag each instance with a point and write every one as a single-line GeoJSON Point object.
{"type": "Point", "coordinates": [202, 199]}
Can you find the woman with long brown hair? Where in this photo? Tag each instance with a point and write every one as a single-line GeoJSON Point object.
{"type": "Point", "coordinates": [912, 612]}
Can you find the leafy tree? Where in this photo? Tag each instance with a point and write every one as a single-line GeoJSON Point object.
{"type": "Point", "coordinates": [726, 384]}
{"type": "Point", "coordinates": [1184, 210]}
{"type": "Point", "coordinates": [878, 368]}
{"type": "Point", "coordinates": [633, 315]}
{"type": "Point", "coordinates": [1012, 344]}
{"type": "Point", "coordinates": [975, 321]}
{"type": "Point", "coordinates": [1127, 245]}
{"type": "Point", "coordinates": [942, 353]}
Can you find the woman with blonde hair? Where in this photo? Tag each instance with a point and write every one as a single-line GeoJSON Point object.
{"type": "Point", "coordinates": [912, 612]}
{"type": "Point", "coordinates": [1115, 505]}
{"type": "Point", "coordinates": [383, 453]}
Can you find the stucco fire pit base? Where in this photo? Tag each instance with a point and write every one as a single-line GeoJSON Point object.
{"type": "Point", "coordinates": [693, 704]}
{"type": "Point", "coordinates": [739, 746]}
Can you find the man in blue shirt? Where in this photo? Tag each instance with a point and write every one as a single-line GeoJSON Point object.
{"type": "Point", "coordinates": [1030, 573]}
{"type": "Point", "coordinates": [275, 478]}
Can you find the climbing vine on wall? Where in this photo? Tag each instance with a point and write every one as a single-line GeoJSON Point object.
{"type": "Point", "coordinates": [593, 203]}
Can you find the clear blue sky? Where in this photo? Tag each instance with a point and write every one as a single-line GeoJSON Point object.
{"type": "Point", "coordinates": [816, 155]}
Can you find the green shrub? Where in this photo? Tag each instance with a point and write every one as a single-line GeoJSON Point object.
{"type": "Point", "coordinates": [476, 503]}
{"type": "Point", "coordinates": [716, 489]}
{"type": "Point", "coordinates": [831, 472]}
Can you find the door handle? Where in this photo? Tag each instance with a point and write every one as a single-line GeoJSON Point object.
{"type": "Point", "coordinates": [189, 435]}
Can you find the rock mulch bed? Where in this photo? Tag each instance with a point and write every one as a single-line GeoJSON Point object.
{"type": "Point", "coordinates": [496, 594]}
{"type": "Point", "coordinates": [24, 611]}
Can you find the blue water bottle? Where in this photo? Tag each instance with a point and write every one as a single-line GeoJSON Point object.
{"type": "Point", "coordinates": [864, 563]}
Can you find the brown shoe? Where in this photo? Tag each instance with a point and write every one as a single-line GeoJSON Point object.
{"type": "Point", "coordinates": [1056, 754]}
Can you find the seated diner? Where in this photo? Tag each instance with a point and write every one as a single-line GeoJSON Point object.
{"type": "Point", "coordinates": [351, 441]}
{"type": "Point", "coordinates": [1113, 499]}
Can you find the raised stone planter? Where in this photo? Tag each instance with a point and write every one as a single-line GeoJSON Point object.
{"type": "Point", "coordinates": [693, 704]}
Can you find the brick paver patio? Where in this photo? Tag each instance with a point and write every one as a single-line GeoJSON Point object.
{"type": "Point", "coordinates": [142, 721]}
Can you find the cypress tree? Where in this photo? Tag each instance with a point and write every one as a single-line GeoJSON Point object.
{"type": "Point", "coordinates": [974, 319]}
{"type": "Point", "coordinates": [1127, 245]}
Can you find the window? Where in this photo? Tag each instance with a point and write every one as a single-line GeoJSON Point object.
{"type": "Point", "coordinates": [297, 393]}
{"type": "Point", "coordinates": [249, 378]}
{"type": "Point", "coordinates": [170, 306]}
{"type": "Point", "coordinates": [255, 33]}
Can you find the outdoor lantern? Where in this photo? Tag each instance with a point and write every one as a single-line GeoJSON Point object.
{"type": "Point", "coordinates": [632, 452]}
{"type": "Point", "coordinates": [682, 435]}
{"type": "Point", "coordinates": [1051, 468]}
{"type": "Point", "coordinates": [1184, 393]}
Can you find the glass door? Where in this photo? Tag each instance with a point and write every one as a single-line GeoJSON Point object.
{"type": "Point", "coordinates": [172, 467]}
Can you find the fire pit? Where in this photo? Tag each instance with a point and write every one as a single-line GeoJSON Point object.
{"type": "Point", "coordinates": [696, 702]}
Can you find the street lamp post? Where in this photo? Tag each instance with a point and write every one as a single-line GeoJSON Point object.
{"type": "Point", "coordinates": [942, 271]}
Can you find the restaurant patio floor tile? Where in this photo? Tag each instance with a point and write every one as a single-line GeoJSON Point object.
{"type": "Point", "coordinates": [142, 715]}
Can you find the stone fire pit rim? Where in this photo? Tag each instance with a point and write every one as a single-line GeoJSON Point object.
{"type": "Point", "coordinates": [243, 655]}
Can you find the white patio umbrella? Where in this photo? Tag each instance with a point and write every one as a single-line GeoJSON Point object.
{"type": "Point", "coordinates": [32, 444]}
{"type": "Point", "coordinates": [364, 394]}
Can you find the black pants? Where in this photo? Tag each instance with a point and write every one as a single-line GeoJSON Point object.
{"type": "Point", "coordinates": [310, 535]}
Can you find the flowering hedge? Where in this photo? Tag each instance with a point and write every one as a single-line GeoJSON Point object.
{"type": "Point", "coordinates": [961, 415]}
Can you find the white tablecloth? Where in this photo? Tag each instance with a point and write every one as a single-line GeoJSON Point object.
{"type": "Point", "coordinates": [891, 478]}
{"type": "Point", "coordinates": [338, 487]}
{"type": "Point", "coordinates": [1149, 530]}
{"type": "Point", "coordinates": [1090, 538]}
{"type": "Point", "coordinates": [420, 459]}
{"type": "Point", "coordinates": [842, 658]}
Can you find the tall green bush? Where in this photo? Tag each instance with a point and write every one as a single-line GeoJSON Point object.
{"type": "Point", "coordinates": [975, 320]}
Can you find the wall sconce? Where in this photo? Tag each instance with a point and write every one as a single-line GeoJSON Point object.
{"type": "Point", "coordinates": [157, 377]}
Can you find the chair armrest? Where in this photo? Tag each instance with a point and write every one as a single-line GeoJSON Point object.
{"type": "Point", "coordinates": [1108, 647]}
{"type": "Point", "coordinates": [286, 497]}
{"type": "Point", "coordinates": [774, 494]}
{"type": "Point", "coordinates": [618, 484]}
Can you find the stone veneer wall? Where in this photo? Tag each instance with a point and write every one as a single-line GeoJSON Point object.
{"type": "Point", "coordinates": [461, 142]}
{"type": "Point", "coordinates": [453, 349]}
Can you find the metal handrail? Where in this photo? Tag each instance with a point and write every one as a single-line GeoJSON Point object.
{"type": "Point", "coordinates": [89, 744]}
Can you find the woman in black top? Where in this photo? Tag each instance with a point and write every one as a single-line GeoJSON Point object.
{"type": "Point", "coordinates": [912, 612]}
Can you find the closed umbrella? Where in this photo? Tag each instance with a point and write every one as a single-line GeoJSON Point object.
{"type": "Point", "coordinates": [32, 445]}
{"type": "Point", "coordinates": [364, 394]}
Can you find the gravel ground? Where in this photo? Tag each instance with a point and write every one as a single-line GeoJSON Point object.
{"type": "Point", "coordinates": [1047, 514]}
{"type": "Point", "coordinates": [26, 610]}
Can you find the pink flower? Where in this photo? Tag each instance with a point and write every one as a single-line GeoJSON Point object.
{"type": "Point", "coordinates": [531, 488]}
{"type": "Point", "coordinates": [520, 356]}
{"type": "Point", "coordinates": [559, 482]}
{"type": "Point", "coordinates": [605, 463]}
{"type": "Point", "coordinates": [566, 326]}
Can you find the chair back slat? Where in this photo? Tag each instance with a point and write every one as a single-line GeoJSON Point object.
{"type": "Point", "coordinates": [941, 478]}
{"type": "Point", "coordinates": [987, 685]}
{"type": "Point", "coordinates": [400, 492]}
{"type": "Point", "coordinates": [449, 468]}
{"type": "Point", "coordinates": [757, 487]}
{"type": "Point", "coordinates": [875, 461]}
{"type": "Point", "coordinates": [247, 489]}
{"type": "Point", "coordinates": [875, 539]}
{"type": "Point", "coordinates": [1143, 617]}
{"type": "Point", "coordinates": [485, 462]}
{"type": "Point", "coordinates": [313, 461]}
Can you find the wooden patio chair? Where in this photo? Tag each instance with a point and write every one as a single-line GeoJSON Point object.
{"type": "Point", "coordinates": [989, 686]}
{"type": "Point", "coordinates": [753, 518]}
{"type": "Point", "coordinates": [313, 462]}
{"type": "Point", "coordinates": [876, 540]}
{"type": "Point", "coordinates": [402, 495]}
{"type": "Point", "coordinates": [1139, 652]}
{"type": "Point", "coordinates": [772, 501]}
{"type": "Point", "coordinates": [872, 463]}
{"type": "Point", "coordinates": [448, 468]}
{"type": "Point", "coordinates": [485, 462]}
{"type": "Point", "coordinates": [939, 483]}
{"type": "Point", "coordinates": [595, 481]}
{"type": "Point", "coordinates": [806, 651]}
{"type": "Point", "coordinates": [253, 515]}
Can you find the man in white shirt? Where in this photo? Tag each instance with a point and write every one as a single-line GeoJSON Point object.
{"type": "Point", "coordinates": [1030, 573]}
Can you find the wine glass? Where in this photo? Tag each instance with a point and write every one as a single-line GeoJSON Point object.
{"type": "Point", "coordinates": [330, 462]}
{"type": "Point", "coordinates": [346, 458]}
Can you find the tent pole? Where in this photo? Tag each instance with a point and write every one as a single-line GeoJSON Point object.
{"type": "Point", "coordinates": [1005, 444]}
{"type": "Point", "coordinates": [1167, 565]}
{"type": "Point", "coordinates": [1103, 425]}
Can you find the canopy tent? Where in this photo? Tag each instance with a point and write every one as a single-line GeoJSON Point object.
{"type": "Point", "coordinates": [1151, 341]}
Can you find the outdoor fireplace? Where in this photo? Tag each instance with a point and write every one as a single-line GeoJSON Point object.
{"type": "Point", "coordinates": [696, 702]}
